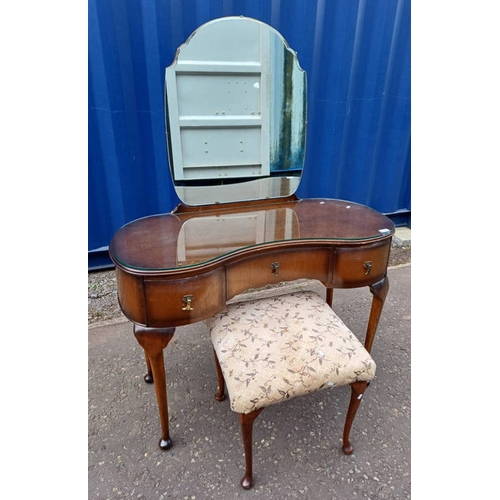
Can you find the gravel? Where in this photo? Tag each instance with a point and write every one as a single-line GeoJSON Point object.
{"type": "Point", "coordinates": [103, 296]}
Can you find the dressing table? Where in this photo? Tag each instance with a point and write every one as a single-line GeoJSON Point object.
{"type": "Point", "coordinates": [235, 107]}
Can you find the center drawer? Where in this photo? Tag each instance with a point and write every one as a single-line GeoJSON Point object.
{"type": "Point", "coordinates": [274, 267]}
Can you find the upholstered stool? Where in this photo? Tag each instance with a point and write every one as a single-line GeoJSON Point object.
{"type": "Point", "coordinates": [274, 349]}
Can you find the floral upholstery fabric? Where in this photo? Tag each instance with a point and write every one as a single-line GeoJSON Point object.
{"type": "Point", "coordinates": [277, 348]}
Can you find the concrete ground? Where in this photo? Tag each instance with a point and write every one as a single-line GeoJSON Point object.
{"type": "Point", "coordinates": [297, 444]}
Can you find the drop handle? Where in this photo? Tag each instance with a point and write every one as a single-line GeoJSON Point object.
{"type": "Point", "coordinates": [187, 299]}
{"type": "Point", "coordinates": [275, 266]}
{"type": "Point", "coordinates": [368, 266]}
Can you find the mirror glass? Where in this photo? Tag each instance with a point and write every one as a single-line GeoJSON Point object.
{"type": "Point", "coordinates": [235, 109]}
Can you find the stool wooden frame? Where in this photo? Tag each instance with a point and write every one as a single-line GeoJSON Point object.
{"type": "Point", "coordinates": [247, 420]}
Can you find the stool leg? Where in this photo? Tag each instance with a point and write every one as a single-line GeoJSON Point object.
{"type": "Point", "coordinates": [220, 396]}
{"type": "Point", "coordinates": [246, 421]}
{"type": "Point", "coordinates": [329, 296]}
{"type": "Point", "coordinates": [357, 390]}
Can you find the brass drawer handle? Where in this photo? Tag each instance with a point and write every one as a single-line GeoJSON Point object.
{"type": "Point", "coordinates": [368, 266]}
{"type": "Point", "coordinates": [275, 266]}
{"type": "Point", "coordinates": [187, 299]}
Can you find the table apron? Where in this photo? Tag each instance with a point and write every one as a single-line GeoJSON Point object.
{"type": "Point", "coordinates": [172, 300]}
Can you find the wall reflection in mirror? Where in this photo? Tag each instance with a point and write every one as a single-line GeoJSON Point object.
{"type": "Point", "coordinates": [235, 107]}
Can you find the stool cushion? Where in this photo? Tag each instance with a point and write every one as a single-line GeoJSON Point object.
{"type": "Point", "coordinates": [277, 348]}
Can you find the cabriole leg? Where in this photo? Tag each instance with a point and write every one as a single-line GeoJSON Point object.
{"type": "Point", "coordinates": [329, 296]}
{"type": "Point", "coordinates": [220, 396]}
{"type": "Point", "coordinates": [153, 341]}
{"type": "Point", "coordinates": [357, 391]}
{"type": "Point", "coordinates": [148, 378]}
{"type": "Point", "coordinates": [379, 291]}
{"type": "Point", "coordinates": [246, 422]}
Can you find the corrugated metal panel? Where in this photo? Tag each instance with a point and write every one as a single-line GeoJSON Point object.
{"type": "Point", "coordinates": [357, 57]}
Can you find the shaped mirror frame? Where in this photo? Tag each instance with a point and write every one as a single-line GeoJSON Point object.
{"type": "Point", "coordinates": [235, 113]}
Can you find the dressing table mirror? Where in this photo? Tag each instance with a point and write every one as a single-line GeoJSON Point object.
{"type": "Point", "coordinates": [235, 114]}
{"type": "Point", "coordinates": [235, 109]}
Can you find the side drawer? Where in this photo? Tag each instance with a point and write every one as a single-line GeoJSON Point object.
{"type": "Point", "coordinates": [274, 267]}
{"type": "Point", "coordinates": [184, 301]}
{"type": "Point", "coordinates": [360, 266]}
{"type": "Point", "coordinates": [131, 296]}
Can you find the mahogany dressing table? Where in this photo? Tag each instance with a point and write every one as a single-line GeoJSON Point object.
{"type": "Point", "coordinates": [237, 161]}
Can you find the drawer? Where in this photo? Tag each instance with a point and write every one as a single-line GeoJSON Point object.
{"type": "Point", "coordinates": [274, 267]}
{"type": "Point", "coordinates": [184, 301]}
{"type": "Point", "coordinates": [131, 296]}
{"type": "Point", "coordinates": [360, 266]}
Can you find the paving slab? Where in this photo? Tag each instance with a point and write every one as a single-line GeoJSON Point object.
{"type": "Point", "coordinates": [402, 237]}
